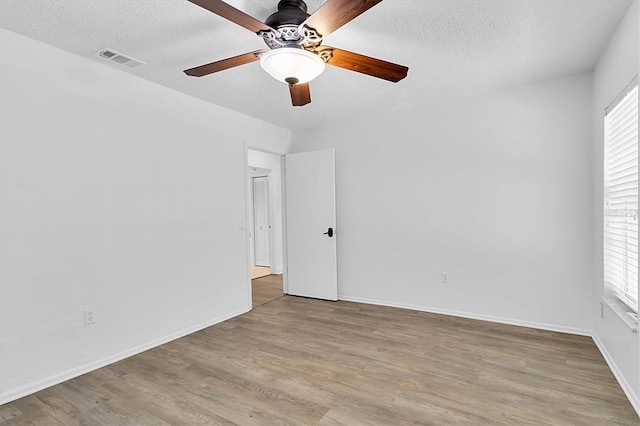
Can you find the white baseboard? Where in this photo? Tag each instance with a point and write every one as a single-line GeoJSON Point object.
{"type": "Point", "coordinates": [509, 321]}
{"type": "Point", "coordinates": [55, 379]}
{"type": "Point", "coordinates": [626, 388]}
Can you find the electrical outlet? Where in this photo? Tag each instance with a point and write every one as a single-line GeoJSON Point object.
{"type": "Point", "coordinates": [89, 316]}
{"type": "Point", "coordinates": [444, 278]}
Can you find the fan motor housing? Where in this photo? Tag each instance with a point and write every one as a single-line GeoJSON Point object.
{"type": "Point", "coordinates": [290, 12]}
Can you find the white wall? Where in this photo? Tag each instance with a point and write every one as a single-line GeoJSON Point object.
{"type": "Point", "coordinates": [617, 66]}
{"type": "Point", "coordinates": [494, 189]}
{"type": "Point", "coordinates": [117, 195]}
{"type": "Point", "coordinates": [272, 162]}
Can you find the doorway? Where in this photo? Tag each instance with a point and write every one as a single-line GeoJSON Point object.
{"type": "Point", "coordinates": [265, 216]}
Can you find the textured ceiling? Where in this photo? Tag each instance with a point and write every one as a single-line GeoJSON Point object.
{"type": "Point", "coordinates": [452, 47]}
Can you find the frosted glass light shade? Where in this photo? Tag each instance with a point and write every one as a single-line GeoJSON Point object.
{"type": "Point", "coordinates": [292, 65]}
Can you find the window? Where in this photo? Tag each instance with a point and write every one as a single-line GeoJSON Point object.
{"type": "Point", "coordinates": [621, 198]}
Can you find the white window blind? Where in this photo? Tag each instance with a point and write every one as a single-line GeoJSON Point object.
{"type": "Point", "coordinates": [621, 197]}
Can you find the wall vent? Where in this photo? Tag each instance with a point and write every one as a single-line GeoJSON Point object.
{"type": "Point", "coordinates": [119, 58]}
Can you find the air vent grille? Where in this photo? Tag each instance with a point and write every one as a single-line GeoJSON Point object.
{"type": "Point", "coordinates": [119, 58]}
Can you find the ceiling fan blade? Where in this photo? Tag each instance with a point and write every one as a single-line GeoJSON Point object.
{"type": "Point", "coordinates": [232, 14]}
{"type": "Point", "coordinates": [224, 64]}
{"type": "Point", "coordinates": [300, 94]}
{"type": "Point", "coordinates": [364, 64]}
{"type": "Point", "coordinates": [335, 13]}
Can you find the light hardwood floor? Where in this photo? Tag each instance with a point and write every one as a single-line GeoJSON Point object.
{"type": "Point", "coordinates": [260, 271]}
{"type": "Point", "coordinates": [303, 361]}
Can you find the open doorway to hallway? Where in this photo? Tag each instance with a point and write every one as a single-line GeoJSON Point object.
{"type": "Point", "coordinates": [265, 213]}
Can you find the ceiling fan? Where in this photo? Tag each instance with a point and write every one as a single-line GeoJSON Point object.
{"type": "Point", "coordinates": [296, 54]}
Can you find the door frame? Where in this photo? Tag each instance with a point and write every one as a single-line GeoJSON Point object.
{"type": "Point", "coordinates": [249, 193]}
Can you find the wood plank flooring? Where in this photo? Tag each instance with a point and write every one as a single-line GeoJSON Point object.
{"type": "Point", "coordinates": [304, 361]}
{"type": "Point", "coordinates": [266, 289]}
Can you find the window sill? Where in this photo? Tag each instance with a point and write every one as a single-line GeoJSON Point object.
{"type": "Point", "coordinates": [627, 316]}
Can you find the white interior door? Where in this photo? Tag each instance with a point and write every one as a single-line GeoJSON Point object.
{"type": "Point", "coordinates": [261, 220]}
{"type": "Point", "coordinates": [311, 224]}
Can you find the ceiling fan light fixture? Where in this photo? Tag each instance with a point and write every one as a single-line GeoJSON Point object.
{"type": "Point", "coordinates": [292, 65]}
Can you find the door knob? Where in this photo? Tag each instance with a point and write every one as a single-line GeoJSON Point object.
{"type": "Point", "coordinates": [329, 232]}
